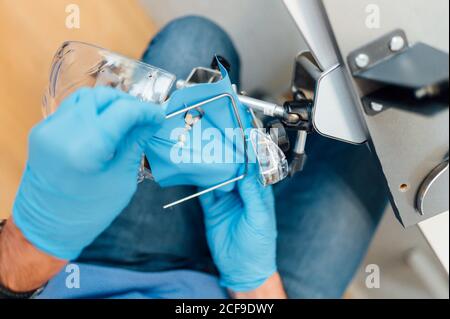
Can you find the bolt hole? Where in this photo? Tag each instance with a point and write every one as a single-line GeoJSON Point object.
{"type": "Point", "coordinates": [404, 188]}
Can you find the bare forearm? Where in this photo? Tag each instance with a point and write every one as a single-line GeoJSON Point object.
{"type": "Point", "coordinates": [22, 266]}
{"type": "Point", "coordinates": [271, 289]}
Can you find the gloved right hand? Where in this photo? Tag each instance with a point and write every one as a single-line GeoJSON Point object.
{"type": "Point", "coordinates": [82, 169]}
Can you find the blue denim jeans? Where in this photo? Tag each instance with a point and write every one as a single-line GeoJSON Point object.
{"type": "Point", "coordinates": [326, 215]}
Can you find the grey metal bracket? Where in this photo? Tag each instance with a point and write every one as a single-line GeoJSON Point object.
{"type": "Point", "coordinates": [406, 112]}
{"type": "Point", "coordinates": [366, 58]}
{"type": "Point", "coordinates": [414, 72]}
{"type": "Point", "coordinates": [336, 110]}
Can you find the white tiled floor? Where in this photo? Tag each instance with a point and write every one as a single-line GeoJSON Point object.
{"type": "Point", "coordinates": [393, 250]}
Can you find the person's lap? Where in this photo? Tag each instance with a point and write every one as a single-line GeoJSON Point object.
{"type": "Point", "coordinates": [326, 215]}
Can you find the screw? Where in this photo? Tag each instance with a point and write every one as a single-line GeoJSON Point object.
{"type": "Point", "coordinates": [293, 118]}
{"type": "Point", "coordinates": [362, 60]}
{"type": "Point", "coordinates": [397, 43]}
{"type": "Point", "coordinates": [376, 107]}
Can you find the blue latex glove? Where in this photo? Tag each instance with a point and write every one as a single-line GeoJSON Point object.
{"type": "Point", "coordinates": [190, 166]}
{"type": "Point", "coordinates": [82, 169]}
{"type": "Point", "coordinates": [241, 233]}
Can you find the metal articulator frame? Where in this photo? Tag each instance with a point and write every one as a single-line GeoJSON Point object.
{"type": "Point", "coordinates": [241, 127]}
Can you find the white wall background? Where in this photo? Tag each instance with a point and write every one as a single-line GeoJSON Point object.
{"type": "Point", "coordinates": [262, 30]}
{"type": "Point", "coordinates": [268, 40]}
{"type": "Point", "coordinates": [422, 20]}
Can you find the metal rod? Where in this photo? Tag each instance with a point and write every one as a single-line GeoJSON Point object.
{"type": "Point", "coordinates": [234, 180]}
{"type": "Point", "coordinates": [300, 143]}
{"type": "Point", "coordinates": [241, 126]}
{"type": "Point", "coordinates": [269, 109]}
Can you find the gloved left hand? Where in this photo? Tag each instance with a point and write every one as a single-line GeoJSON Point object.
{"type": "Point", "coordinates": [241, 233]}
{"type": "Point", "coordinates": [82, 169]}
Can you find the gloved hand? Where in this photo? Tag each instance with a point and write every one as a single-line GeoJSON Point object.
{"type": "Point", "coordinates": [82, 169]}
{"type": "Point", "coordinates": [241, 233]}
{"type": "Point", "coordinates": [200, 162]}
